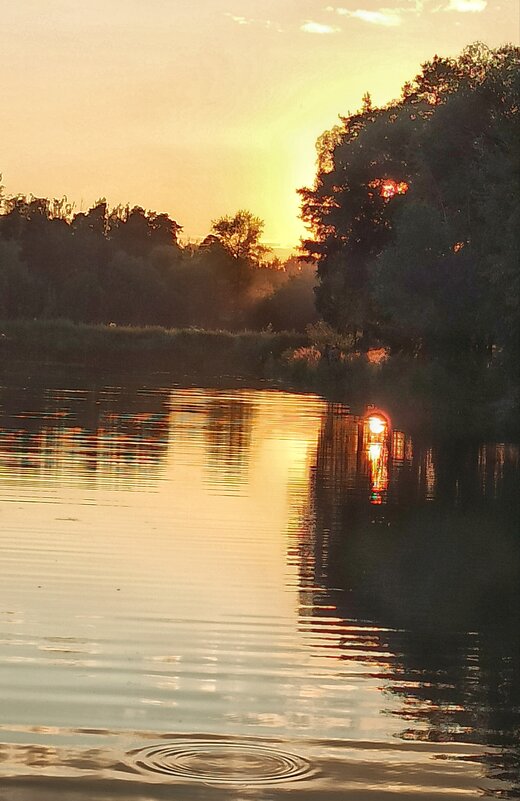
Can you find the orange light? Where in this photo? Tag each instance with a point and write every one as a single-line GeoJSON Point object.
{"type": "Point", "coordinates": [377, 355]}
{"type": "Point", "coordinates": [388, 187]}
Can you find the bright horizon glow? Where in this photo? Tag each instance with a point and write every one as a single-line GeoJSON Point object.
{"type": "Point", "coordinates": [202, 109]}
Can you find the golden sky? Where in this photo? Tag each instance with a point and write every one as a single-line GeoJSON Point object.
{"type": "Point", "coordinates": [201, 107]}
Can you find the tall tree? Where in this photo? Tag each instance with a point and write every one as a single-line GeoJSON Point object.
{"type": "Point", "coordinates": [415, 205]}
{"type": "Point", "coordinates": [240, 235]}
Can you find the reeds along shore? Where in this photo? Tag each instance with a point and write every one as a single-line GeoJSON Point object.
{"type": "Point", "coordinates": [190, 350]}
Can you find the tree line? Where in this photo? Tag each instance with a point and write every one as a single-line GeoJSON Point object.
{"type": "Point", "coordinates": [415, 212]}
{"type": "Point", "coordinates": [413, 218]}
{"type": "Point", "coordinates": [127, 266]}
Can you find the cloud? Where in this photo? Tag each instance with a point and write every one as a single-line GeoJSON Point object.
{"type": "Point", "coordinates": [382, 17]}
{"type": "Point", "coordinates": [473, 6]}
{"type": "Point", "coordinates": [317, 27]}
{"type": "Point", "coordinates": [385, 16]}
{"type": "Point", "coordinates": [264, 23]}
{"type": "Point", "coordinates": [238, 20]}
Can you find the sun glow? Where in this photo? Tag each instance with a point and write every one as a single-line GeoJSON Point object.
{"type": "Point", "coordinates": [376, 425]}
{"type": "Point", "coordinates": [388, 188]}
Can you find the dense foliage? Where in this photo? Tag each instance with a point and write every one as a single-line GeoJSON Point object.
{"type": "Point", "coordinates": [415, 212]}
{"type": "Point", "coordinates": [126, 266]}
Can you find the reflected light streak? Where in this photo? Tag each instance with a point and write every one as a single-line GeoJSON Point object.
{"type": "Point", "coordinates": [376, 444]}
{"type": "Point", "coordinates": [374, 451]}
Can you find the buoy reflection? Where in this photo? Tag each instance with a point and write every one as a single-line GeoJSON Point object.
{"type": "Point", "coordinates": [376, 436]}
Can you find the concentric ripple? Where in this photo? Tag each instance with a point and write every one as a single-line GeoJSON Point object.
{"type": "Point", "coordinates": [221, 762]}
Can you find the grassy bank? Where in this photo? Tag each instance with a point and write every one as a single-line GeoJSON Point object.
{"type": "Point", "coordinates": [458, 399]}
{"type": "Point", "coordinates": [182, 351]}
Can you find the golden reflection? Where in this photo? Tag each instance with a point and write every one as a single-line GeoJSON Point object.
{"type": "Point", "coordinates": [376, 437]}
{"type": "Point", "coordinates": [228, 430]}
{"type": "Point", "coordinates": [118, 436]}
{"type": "Point", "coordinates": [82, 438]}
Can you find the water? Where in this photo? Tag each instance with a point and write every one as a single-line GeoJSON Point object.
{"type": "Point", "coordinates": [235, 595]}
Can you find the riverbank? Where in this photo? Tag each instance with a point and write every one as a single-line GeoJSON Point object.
{"type": "Point", "coordinates": [461, 399]}
{"type": "Point", "coordinates": [183, 351]}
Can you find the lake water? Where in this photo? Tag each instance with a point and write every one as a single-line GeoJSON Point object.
{"type": "Point", "coordinates": [232, 595]}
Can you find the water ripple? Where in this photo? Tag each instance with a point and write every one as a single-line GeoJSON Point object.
{"type": "Point", "coordinates": [221, 762]}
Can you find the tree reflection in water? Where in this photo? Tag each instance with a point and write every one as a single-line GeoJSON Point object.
{"type": "Point", "coordinates": [113, 432]}
{"type": "Point", "coordinates": [424, 541]}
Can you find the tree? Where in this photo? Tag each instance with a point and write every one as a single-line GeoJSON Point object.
{"type": "Point", "coordinates": [415, 207]}
{"type": "Point", "coordinates": [240, 235]}
{"type": "Point", "coordinates": [349, 213]}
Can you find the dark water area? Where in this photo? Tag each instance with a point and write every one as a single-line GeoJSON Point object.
{"type": "Point", "coordinates": [229, 593]}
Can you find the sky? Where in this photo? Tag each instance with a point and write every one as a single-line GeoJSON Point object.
{"type": "Point", "coordinates": [199, 108]}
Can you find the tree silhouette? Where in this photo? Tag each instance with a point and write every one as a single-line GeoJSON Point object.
{"type": "Point", "coordinates": [414, 209]}
{"type": "Point", "coordinates": [240, 235]}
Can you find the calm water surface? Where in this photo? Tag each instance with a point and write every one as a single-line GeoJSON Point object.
{"type": "Point", "coordinates": [225, 595]}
